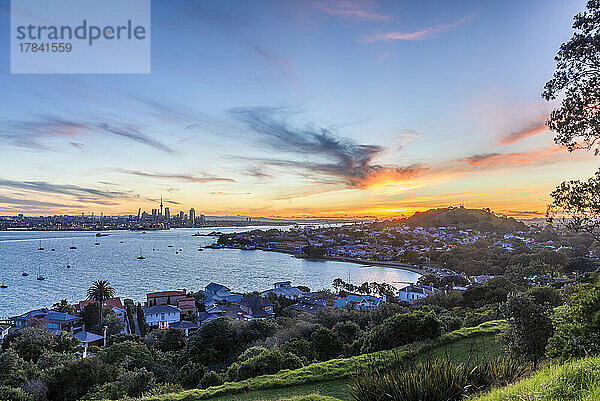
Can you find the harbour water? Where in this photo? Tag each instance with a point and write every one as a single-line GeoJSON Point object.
{"type": "Point", "coordinates": [172, 261]}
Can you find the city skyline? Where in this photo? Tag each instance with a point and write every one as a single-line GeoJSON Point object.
{"type": "Point", "coordinates": [287, 109]}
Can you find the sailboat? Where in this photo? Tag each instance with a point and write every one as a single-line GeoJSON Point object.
{"type": "Point", "coordinates": [41, 248]}
{"type": "Point", "coordinates": [3, 286]}
{"type": "Point", "coordinates": [24, 274]}
{"type": "Point", "coordinates": [141, 255]}
{"type": "Point", "coordinates": [39, 276]}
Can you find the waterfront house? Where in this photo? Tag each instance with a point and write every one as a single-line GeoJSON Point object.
{"type": "Point", "coordinates": [164, 297]}
{"type": "Point", "coordinates": [284, 289]}
{"type": "Point", "coordinates": [187, 304]}
{"type": "Point", "coordinates": [214, 293]}
{"type": "Point", "coordinates": [88, 339]}
{"type": "Point", "coordinates": [308, 304]}
{"type": "Point", "coordinates": [48, 320]}
{"type": "Point", "coordinates": [3, 331]}
{"type": "Point", "coordinates": [358, 301]}
{"type": "Point", "coordinates": [107, 303]}
{"type": "Point", "coordinates": [257, 308]}
{"type": "Point", "coordinates": [184, 325]}
{"type": "Point", "coordinates": [414, 292]}
{"type": "Point", "coordinates": [162, 315]}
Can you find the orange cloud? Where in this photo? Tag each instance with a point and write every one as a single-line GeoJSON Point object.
{"type": "Point", "coordinates": [527, 132]}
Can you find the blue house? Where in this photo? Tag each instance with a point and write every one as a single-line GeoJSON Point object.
{"type": "Point", "coordinates": [48, 320]}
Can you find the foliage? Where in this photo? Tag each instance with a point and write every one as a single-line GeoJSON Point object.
{"type": "Point", "coordinates": [481, 220]}
{"type": "Point", "coordinates": [166, 340]}
{"type": "Point", "coordinates": [577, 324]}
{"type": "Point", "coordinates": [326, 343]}
{"type": "Point", "coordinates": [574, 381]}
{"type": "Point", "coordinates": [403, 328]}
{"type": "Point", "coordinates": [63, 306]}
{"type": "Point", "coordinates": [99, 292]}
{"type": "Point", "coordinates": [529, 327]}
{"type": "Point", "coordinates": [31, 343]}
{"type": "Point", "coordinates": [14, 394]}
{"type": "Point", "coordinates": [211, 379]}
{"type": "Point", "coordinates": [267, 362]}
{"type": "Point", "coordinates": [134, 355]}
{"type": "Point", "coordinates": [190, 375]}
{"type": "Point", "coordinates": [73, 379]}
{"type": "Point", "coordinates": [434, 380]}
{"type": "Point", "coordinates": [577, 204]}
{"type": "Point", "coordinates": [577, 75]}
{"type": "Point", "coordinates": [332, 369]}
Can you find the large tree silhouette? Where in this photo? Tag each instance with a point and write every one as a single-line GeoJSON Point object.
{"type": "Point", "coordinates": [98, 292]}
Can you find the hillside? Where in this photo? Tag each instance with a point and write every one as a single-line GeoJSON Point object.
{"type": "Point", "coordinates": [475, 219]}
{"type": "Point", "coordinates": [328, 375]}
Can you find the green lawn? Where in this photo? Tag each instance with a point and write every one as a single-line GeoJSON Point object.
{"type": "Point", "coordinates": [331, 377]}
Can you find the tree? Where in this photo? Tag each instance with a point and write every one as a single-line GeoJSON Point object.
{"type": "Point", "coordinates": [577, 324]}
{"type": "Point", "coordinates": [529, 327]}
{"type": "Point", "coordinates": [577, 120]}
{"type": "Point", "coordinates": [577, 75]}
{"type": "Point", "coordinates": [326, 343]}
{"type": "Point", "coordinates": [63, 306]}
{"type": "Point", "coordinates": [99, 292]}
{"type": "Point", "coordinates": [577, 205]}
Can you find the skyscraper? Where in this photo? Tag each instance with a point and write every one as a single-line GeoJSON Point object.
{"type": "Point", "coordinates": [192, 215]}
{"type": "Point", "coordinates": [161, 206]}
{"type": "Point", "coordinates": [167, 214]}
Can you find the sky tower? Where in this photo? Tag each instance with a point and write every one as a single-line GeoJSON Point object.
{"type": "Point", "coordinates": [161, 205]}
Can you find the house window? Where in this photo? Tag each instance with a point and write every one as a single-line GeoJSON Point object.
{"type": "Point", "coordinates": [53, 326]}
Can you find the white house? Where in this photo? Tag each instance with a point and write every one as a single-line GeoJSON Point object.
{"type": "Point", "coordinates": [162, 316]}
{"type": "Point", "coordinates": [3, 331]}
{"type": "Point", "coordinates": [415, 292]}
{"type": "Point", "coordinates": [284, 289]}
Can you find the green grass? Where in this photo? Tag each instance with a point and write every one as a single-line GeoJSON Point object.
{"type": "Point", "coordinates": [287, 382]}
{"type": "Point", "coordinates": [573, 381]}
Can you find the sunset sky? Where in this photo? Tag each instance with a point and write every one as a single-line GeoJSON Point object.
{"type": "Point", "coordinates": [300, 108]}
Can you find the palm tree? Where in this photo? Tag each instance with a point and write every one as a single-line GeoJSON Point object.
{"type": "Point", "coordinates": [98, 292]}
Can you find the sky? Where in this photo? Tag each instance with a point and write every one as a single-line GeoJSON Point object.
{"type": "Point", "coordinates": [296, 108]}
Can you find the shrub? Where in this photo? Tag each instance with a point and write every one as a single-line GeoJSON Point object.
{"type": "Point", "coordinates": [211, 379]}
{"type": "Point", "coordinates": [190, 374]}
{"type": "Point", "coordinates": [326, 343]}
{"type": "Point", "coordinates": [14, 394]}
{"type": "Point", "coordinates": [403, 328]}
{"type": "Point", "coordinates": [267, 362]}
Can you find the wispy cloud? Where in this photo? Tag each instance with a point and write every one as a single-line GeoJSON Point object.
{"type": "Point", "coordinates": [281, 64]}
{"type": "Point", "coordinates": [63, 189]}
{"type": "Point", "coordinates": [321, 151]}
{"type": "Point", "coordinates": [179, 177]}
{"type": "Point", "coordinates": [31, 133]}
{"type": "Point", "coordinates": [495, 159]}
{"type": "Point", "coordinates": [355, 9]}
{"type": "Point", "coordinates": [537, 127]}
{"type": "Point", "coordinates": [421, 34]}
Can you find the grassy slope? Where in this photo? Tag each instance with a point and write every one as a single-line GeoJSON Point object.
{"type": "Point", "coordinates": [574, 381]}
{"type": "Point", "coordinates": [287, 382]}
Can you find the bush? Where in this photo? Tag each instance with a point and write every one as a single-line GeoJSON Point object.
{"type": "Point", "coordinates": [403, 328]}
{"type": "Point", "coordinates": [267, 362]}
{"type": "Point", "coordinates": [75, 378]}
{"type": "Point", "coordinates": [190, 374]}
{"type": "Point", "coordinates": [326, 343]}
{"type": "Point", "coordinates": [211, 379]}
{"type": "Point", "coordinates": [14, 394]}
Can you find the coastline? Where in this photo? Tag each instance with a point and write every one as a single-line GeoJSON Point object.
{"type": "Point", "coordinates": [381, 263]}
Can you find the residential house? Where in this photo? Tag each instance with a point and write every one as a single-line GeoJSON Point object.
{"type": "Point", "coordinates": [187, 304]}
{"type": "Point", "coordinates": [165, 297]}
{"type": "Point", "coordinates": [257, 308]}
{"type": "Point", "coordinates": [162, 315]}
{"type": "Point", "coordinates": [214, 293]}
{"type": "Point", "coordinates": [308, 304]}
{"type": "Point", "coordinates": [284, 289]}
{"type": "Point", "coordinates": [107, 303]}
{"type": "Point", "coordinates": [88, 339]}
{"type": "Point", "coordinates": [414, 292]}
{"type": "Point", "coordinates": [185, 326]}
{"type": "Point", "coordinates": [48, 320]}
{"type": "Point", "coordinates": [359, 302]}
{"type": "Point", "coordinates": [3, 331]}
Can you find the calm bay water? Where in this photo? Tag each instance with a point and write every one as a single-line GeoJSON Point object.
{"type": "Point", "coordinates": [115, 260]}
